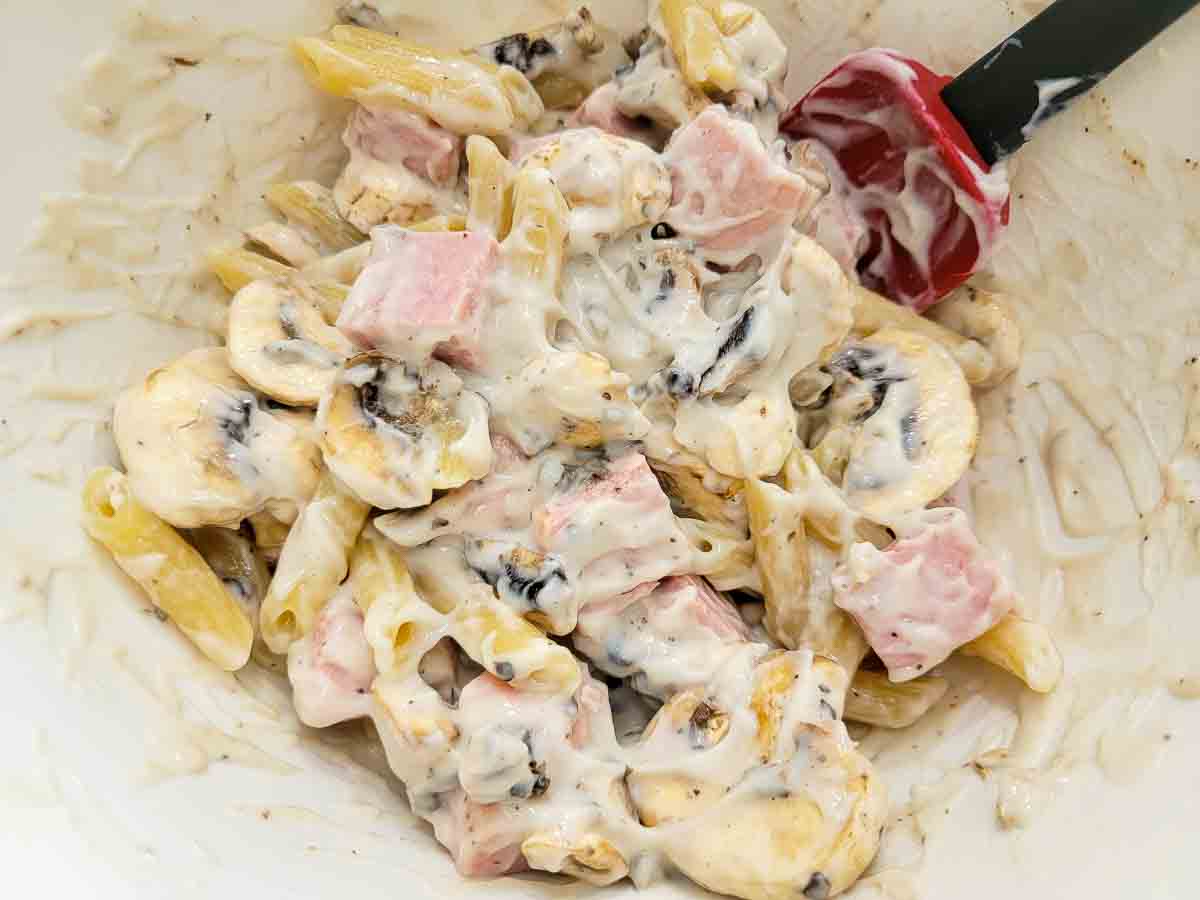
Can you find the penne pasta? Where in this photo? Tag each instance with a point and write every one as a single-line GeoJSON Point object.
{"type": "Point", "coordinates": [1022, 648]}
{"type": "Point", "coordinates": [511, 648]}
{"type": "Point", "coordinates": [171, 571]}
{"type": "Point", "coordinates": [237, 267]}
{"type": "Point", "coordinates": [489, 188]}
{"type": "Point", "coordinates": [282, 242]}
{"type": "Point", "coordinates": [312, 564]}
{"type": "Point", "coordinates": [797, 615]}
{"type": "Point", "coordinates": [439, 223]}
{"type": "Point", "coordinates": [535, 245]}
{"type": "Point", "coordinates": [875, 700]}
{"type": "Point", "coordinates": [463, 94]}
{"type": "Point", "coordinates": [694, 34]}
{"type": "Point", "coordinates": [310, 205]}
{"type": "Point", "coordinates": [874, 312]}
{"type": "Point", "coordinates": [724, 554]}
{"type": "Point", "coordinates": [342, 268]}
{"type": "Point", "coordinates": [399, 625]}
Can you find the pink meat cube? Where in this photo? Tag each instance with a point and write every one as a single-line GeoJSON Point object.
{"type": "Point", "coordinates": [628, 480]}
{"type": "Point", "coordinates": [599, 110]}
{"type": "Point", "coordinates": [422, 293]}
{"type": "Point", "coordinates": [594, 724]}
{"type": "Point", "coordinates": [701, 605]}
{"type": "Point", "coordinates": [614, 526]}
{"type": "Point", "coordinates": [728, 194]}
{"type": "Point", "coordinates": [933, 590]}
{"type": "Point", "coordinates": [522, 147]}
{"type": "Point", "coordinates": [668, 636]}
{"type": "Point", "coordinates": [484, 838]}
{"type": "Point", "coordinates": [331, 668]}
{"type": "Point", "coordinates": [402, 138]}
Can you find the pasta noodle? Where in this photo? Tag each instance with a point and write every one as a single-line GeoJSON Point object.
{"type": "Point", "coordinates": [398, 623]}
{"type": "Point", "coordinates": [489, 188]}
{"type": "Point", "coordinates": [171, 572]}
{"type": "Point", "coordinates": [875, 700]}
{"type": "Point", "coordinates": [1022, 648]}
{"type": "Point", "coordinates": [462, 94]}
{"type": "Point", "coordinates": [312, 564]}
{"type": "Point", "coordinates": [512, 649]}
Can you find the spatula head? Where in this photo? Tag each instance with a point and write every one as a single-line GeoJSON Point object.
{"type": "Point", "coordinates": [932, 207]}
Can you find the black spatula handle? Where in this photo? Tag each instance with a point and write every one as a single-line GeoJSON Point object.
{"type": "Point", "coordinates": [1025, 80]}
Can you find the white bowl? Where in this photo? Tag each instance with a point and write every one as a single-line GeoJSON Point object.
{"type": "Point", "coordinates": [128, 768]}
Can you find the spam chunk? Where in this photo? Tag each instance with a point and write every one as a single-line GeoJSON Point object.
{"type": "Point", "coordinates": [422, 293]}
{"type": "Point", "coordinates": [669, 637]}
{"type": "Point", "coordinates": [331, 668]}
{"type": "Point", "coordinates": [927, 594]}
{"type": "Point", "coordinates": [515, 748]}
{"type": "Point", "coordinates": [600, 110]}
{"type": "Point", "coordinates": [406, 139]}
{"type": "Point", "coordinates": [402, 168]}
{"type": "Point", "coordinates": [729, 195]}
{"type": "Point", "coordinates": [480, 836]}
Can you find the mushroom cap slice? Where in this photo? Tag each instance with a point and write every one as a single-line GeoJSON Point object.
{"type": "Point", "coordinates": [280, 342]}
{"type": "Point", "coordinates": [902, 427]}
{"type": "Point", "coordinates": [590, 857]}
{"type": "Point", "coordinates": [394, 434]}
{"type": "Point", "coordinates": [201, 448]}
{"type": "Point", "coordinates": [807, 827]}
{"type": "Point", "coordinates": [235, 561]}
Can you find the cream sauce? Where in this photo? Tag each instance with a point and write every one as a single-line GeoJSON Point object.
{"type": "Point", "coordinates": [1169, 525]}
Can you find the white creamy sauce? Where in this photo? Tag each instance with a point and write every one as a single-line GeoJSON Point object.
{"type": "Point", "coordinates": [1049, 90]}
{"type": "Point", "coordinates": [1116, 705]}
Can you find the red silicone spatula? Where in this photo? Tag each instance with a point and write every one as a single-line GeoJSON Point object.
{"type": "Point", "coordinates": [918, 150]}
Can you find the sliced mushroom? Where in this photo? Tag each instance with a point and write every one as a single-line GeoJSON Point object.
{"type": "Point", "coordinates": [589, 858]}
{"type": "Point", "coordinates": [497, 764]}
{"type": "Point", "coordinates": [807, 827]}
{"type": "Point", "coordinates": [233, 558]}
{"type": "Point", "coordinates": [707, 496]}
{"type": "Point", "coordinates": [774, 696]}
{"type": "Point", "coordinates": [755, 784]}
{"type": "Point", "coordinates": [654, 89]}
{"type": "Point", "coordinates": [984, 318]}
{"type": "Point", "coordinates": [270, 534]}
{"type": "Point", "coordinates": [611, 184]}
{"type": "Point", "coordinates": [692, 723]}
{"type": "Point", "coordinates": [899, 426]}
{"type": "Point", "coordinates": [201, 448]}
{"type": "Point", "coordinates": [564, 61]}
{"type": "Point", "coordinates": [394, 434]}
{"type": "Point", "coordinates": [280, 342]}
{"type": "Point", "coordinates": [567, 397]}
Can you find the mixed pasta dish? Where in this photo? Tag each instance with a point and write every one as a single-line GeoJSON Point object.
{"type": "Point", "coordinates": [563, 438]}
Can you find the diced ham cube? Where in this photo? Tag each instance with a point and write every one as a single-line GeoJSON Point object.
{"type": "Point", "coordinates": [403, 138]}
{"type": "Point", "coordinates": [422, 293]}
{"type": "Point", "coordinates": [628, 480]}
{"type": "Point", "coordinates": [522, 147]}
{"type": "Point", "coordinates": [840, 233]}
{"type": "Point", "coordinates": [522, 737]}
{"type": "Point", "coordinates": [613, 524]}
{"type": "Point", "coordinates": [729, 195]}
{"type": "Point", "coordinates": [669, 637]}
{"type": "Point", "coordinates": [332, 667]}
{"type": "Point", "coordinates": [594, 724]}
{"type": "Point", "coordinates": [484, 838]}
{"type": "Point", "coordinates": [933, 590]}
{"type": "Point", "coordinates": [599, 110]}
